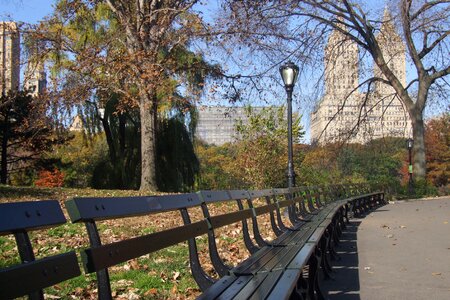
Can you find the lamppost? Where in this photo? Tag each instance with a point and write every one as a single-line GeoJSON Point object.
{"type": "Point", "coordinates": [289, 73]}
{"type": "Point", "coordinates": [409, 144]}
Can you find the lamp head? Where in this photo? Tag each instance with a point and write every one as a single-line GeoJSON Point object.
{"type": "Point", "coordinates": [409, 143]}
{"type": "Point", "coordinates": [289, 73]}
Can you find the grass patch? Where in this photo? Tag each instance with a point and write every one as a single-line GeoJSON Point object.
{"type": "Point", "coordinates": [67, 230]}
{"type": "Point", "coordinates": [8, 252]}
{"type": "Point", "coordinates": [160, 274]}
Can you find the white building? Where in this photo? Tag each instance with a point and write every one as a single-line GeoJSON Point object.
{"type": "Point", "coordinates": [216, 124]}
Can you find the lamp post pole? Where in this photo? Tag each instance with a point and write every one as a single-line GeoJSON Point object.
{"type": "Point", "coordinates": [291, 172]}
{"type": "Point", "coordinates": [289, 73]}
{"type": "Point", "coordinates": [410, 167]}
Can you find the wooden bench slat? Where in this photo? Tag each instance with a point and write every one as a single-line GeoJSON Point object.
{"type": "Point", "coordinates": [25, 278]}
{"type": "Point", "coordinates": [295, 237]}
{"type": "Point", "coordinates": [105, 256]}
{"type": "Point", "coordinates": [279, 260]}
{"type": "Point", "coordinates": [239, 194]}
{"type": "Point", "coordinates": [281, 191]}
{"type": "Point", "coordinates": [217, 288]}
{"type": "Point", "coordinates": [251, 286]}
{"type": "Point", "coordinates": [259, 264]}
{"type": "Point", "coordinates": [250, 260]}
{"type": "Point", "coordinates": [302, 257]}
{"type": "Point", "coordinates": [284, 203]}
{"type": "Point", "coordinates": [261, 193]}
{"type": "Point", "coordinates": [30, 215]}
{"type": "Point", "coordinates": [282, 258]}
{"type": "Point", "coordinates": [317, 235]}
{"type": "Point", "coordinates": [214, 196]}
{"type": "Point", "coordinates": [85, 209]}
{"type": "Point", "coordinates": [267, 285]}
{"type": "Point", "coordinates": [230, 218]}
{"type": "Point", "coordinates": [264, 209]}
{"type": "Point", "coordinates": [285, 285]}
{"type": "Point", "coordinates": [234, 288]}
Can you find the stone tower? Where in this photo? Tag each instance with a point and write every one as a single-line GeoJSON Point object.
{"type": "Point", "coordinates": [332, 116]}
{"type": "Point", "coordinates": [9, 57]}
{"type": "Point", "coordinates": [393, 50]}
{"type": "Point", "coordinates": [390, 111]}
{"type": "Point", "coordinates": [341, 64]}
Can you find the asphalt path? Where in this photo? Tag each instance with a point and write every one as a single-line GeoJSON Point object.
{"type": "Point", "coordinates": [399, 251]}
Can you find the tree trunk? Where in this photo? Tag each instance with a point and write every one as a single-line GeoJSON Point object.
{"type": "Point", "coordinates": [4, 162]}
{"type": "Point", "coordinates": [148, 112]}
{"type": "Point", "coordinates": [109, 138]}
{"type": "Point", "coordinates": [419, 170]}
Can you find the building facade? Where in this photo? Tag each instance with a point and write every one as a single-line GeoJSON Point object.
{"type": "Point", "coordinates": [35, 81]}
{"type": "Point", "coordinates": [9, 57]}
{"type": "Point", "coordinates": [217, 124]}
{"type": "Point", "coordinates": [346, 114]}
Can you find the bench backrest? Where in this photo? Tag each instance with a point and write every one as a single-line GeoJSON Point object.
{"type": "Point", "coordinates": [101, 256]}
{"type": "Point", "coordinates": [32, 275]}
{"type": "Point", "coordinates": [246, 207]}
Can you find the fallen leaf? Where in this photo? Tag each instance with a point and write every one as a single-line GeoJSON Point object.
{"type": "Point", "coordinates": [436, 273]}
{"type": "Point", "coordinates": [78, 291]}
{"type": "Point", "coordinates": [48, 296]}
{"type": "Point", "coordinates": [176, 275]}
{"type": "Point", "coordinates": [134, 265]}
{"type": "Point", "coordinates": [174, 289]}
{"type": "Point", "coordinates": [151, 292]}
{"type": "Point", "coordinates": [163, 277]}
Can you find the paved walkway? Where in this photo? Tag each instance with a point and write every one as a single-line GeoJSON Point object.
{"type": "Point", "coordinates": [399, 251]}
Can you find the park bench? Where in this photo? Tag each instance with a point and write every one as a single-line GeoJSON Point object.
{"type": "Point", "coordinates": [305, 224]}
{"type": "Point", "coordinates": [32, 275]}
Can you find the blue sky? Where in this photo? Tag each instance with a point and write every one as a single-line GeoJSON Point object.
{"type": "Point", "coordinates": [30, 11]}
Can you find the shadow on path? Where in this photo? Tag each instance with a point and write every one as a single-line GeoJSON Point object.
{"type": "Point", "coordinates": [345, 283]}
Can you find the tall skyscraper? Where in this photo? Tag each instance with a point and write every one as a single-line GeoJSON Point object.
{"type": "Point", "coordinates": [9, 57]}
{"type": "Point", "coordinates": [345, 113]}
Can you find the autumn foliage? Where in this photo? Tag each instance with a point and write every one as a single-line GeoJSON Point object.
{"type": "Point", "coordinates": [50, 179]}
{"type": "Point", "coordinates": [437, 141]}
